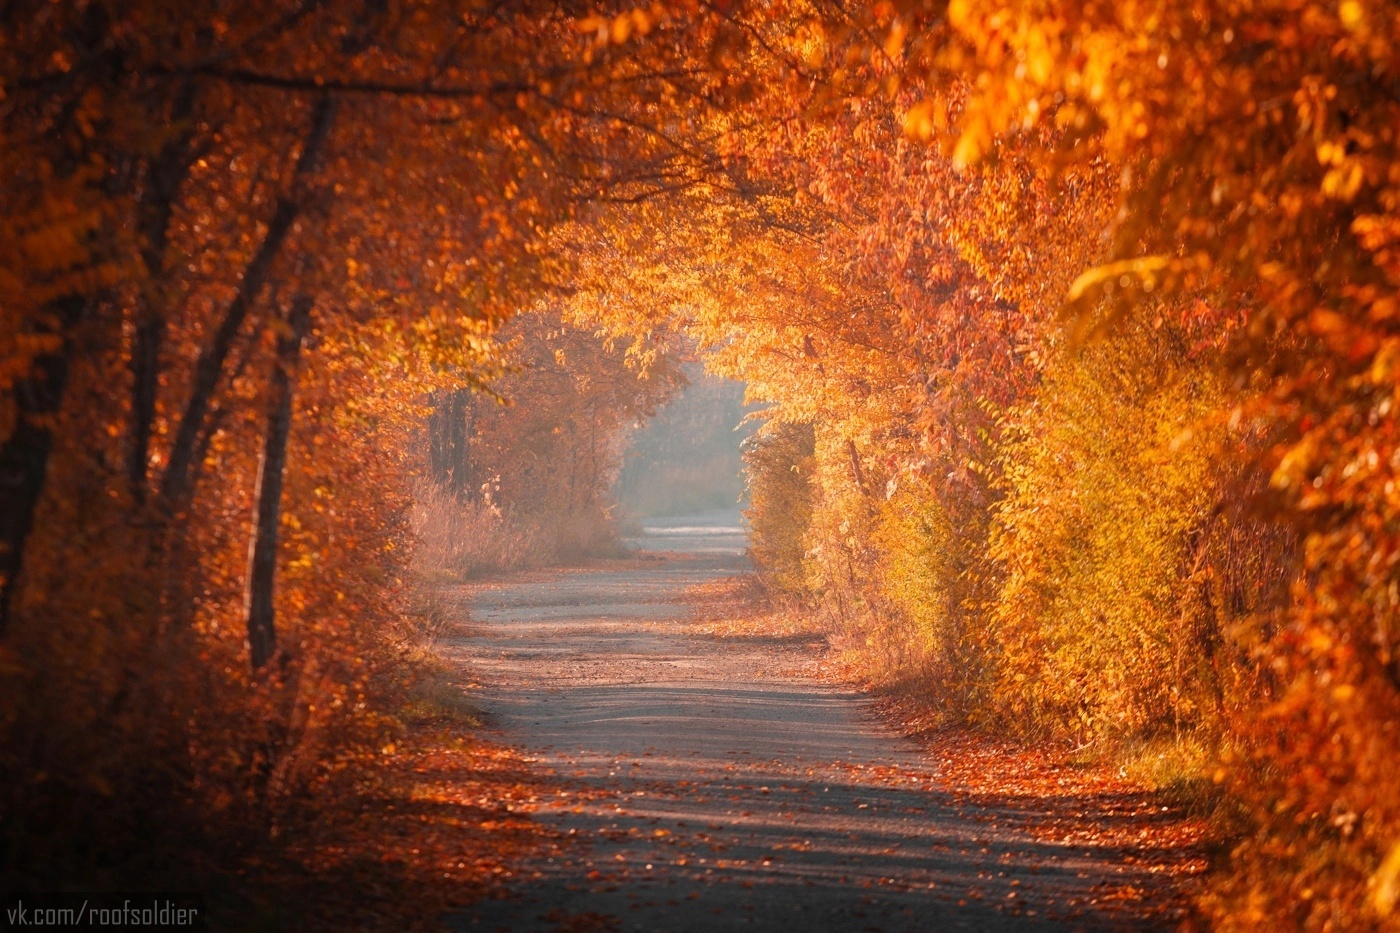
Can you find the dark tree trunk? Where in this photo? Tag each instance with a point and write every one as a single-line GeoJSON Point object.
{"type": "Point", "coordinates": [449, 441]}
{"type": "Point", "coordinates": [262, 552]}
{"type": "Point", "coordinates": [24, 457]}
{"type": "Point", "coordinates": [145, 375]}
{"type": "Point", "coordinates": [209, 367]}
{"type": "Point", "coordinates": [461, 479]}
{"type": "Point", "coordinates": [437, 454]}
{"type": "Point", "coordinates": [164, 177]}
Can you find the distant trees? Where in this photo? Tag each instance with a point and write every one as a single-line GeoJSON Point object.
{"type": "Point", "coordinates": [539, 453]}
{"type": "Point", "coordinates": [451, 426]}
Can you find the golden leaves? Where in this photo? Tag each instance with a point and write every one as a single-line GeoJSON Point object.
{"type": "Point", "coordinates": [1385, 883]}
{"type": "Point", "coordinates": [894, 38]}
{"type": "Point", "coordinates": [924, 120]}
{"type": "Point", "coordinates": [1294, 466]}
{"type": "Point", "coordinates": [617, 30]}
{"type": "Point", "coordinates": [1141, 273]}
{"type": "Point", "coordinates": [1343, 180]}
{"type": "Point", "coordinates": [895, 310]}
{"type": "Point", "coordinates": [1352, 14]}
{"type": "Point", "coordinates": [973, 142]}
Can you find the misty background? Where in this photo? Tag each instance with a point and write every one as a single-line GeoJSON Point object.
{"type": "Point", "coordinates": [688, 457]}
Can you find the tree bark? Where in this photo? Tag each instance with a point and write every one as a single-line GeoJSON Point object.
{"type": "Point", "coordinates": [461, 443]}
{"type": "Point", "coordinates": [449, 441]}
{"type": "Point", "coordinates": [24, 457]}
{"type": "Point", "coordinates": [437, 439]}
{"type": "Point", "coordinates": [262, 552]}
{"type": "Point", "coordinates": [164, 177]}
{"type": "Point", "coordinates": [175, 484]}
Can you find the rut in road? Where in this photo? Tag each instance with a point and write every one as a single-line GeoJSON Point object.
{"type": "Point", "coordinates": [718, 785]}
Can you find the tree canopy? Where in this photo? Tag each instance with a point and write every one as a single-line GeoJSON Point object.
{"type": "Point", "coordinates": [1072, 328]}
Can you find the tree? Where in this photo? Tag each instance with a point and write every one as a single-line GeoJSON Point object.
{"type": "Point", "coordinates": [262, 559]}
{"type": "Point", "coordinates": [176, 181]}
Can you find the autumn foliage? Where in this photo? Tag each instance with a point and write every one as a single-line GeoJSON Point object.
{"type": "Point", "coordinates": [1073, 325]}
{"type": "Point", "coordinates": [1073, 328]}
{"type": "Point", "coordinates": [246, 254]}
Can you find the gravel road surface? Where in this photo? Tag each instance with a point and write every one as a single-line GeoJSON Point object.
{"type": "Point", "coordinates": [718, 785]}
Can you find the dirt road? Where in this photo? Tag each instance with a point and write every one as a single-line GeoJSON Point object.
{"type": "Point", "coordinates": [714, 784]}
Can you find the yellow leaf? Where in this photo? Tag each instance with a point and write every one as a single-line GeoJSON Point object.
{"type": "Point", "coordinates": [1351, 13]}
{"type": "Point", "coordinates": [894, 42]}
{"type": "Point", "coordinates": [919, 121]}
{"type": "Point", "coordinates": [622, 28]}
{"type": "Point", "coordinates": [1385, 884]}
{"type": "Point", "coordinates": [1342, 182]}
{"type": "Point", "coordinates": [1140, 271]}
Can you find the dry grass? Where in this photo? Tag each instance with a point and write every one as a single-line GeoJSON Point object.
{"type": "Point", "coordinates": [468, 540]}
{"type": "Point", "coordinates": [460, 540]}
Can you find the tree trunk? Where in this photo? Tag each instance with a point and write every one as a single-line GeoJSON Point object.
{"type": "Point", "coordinates": [209, 367]}
{"type": "Point", "coordinates": [437, 438]}
{"type": "Point", "coordinates": [24, 457]}
{"type": "Point", "coordinates": [461, 443]}
{"type": "Point", "coordinates": [262, 552]}
{"type": "Point", "coordinates": [164, 177]}
{"type": "Point", "coordinates": [449, 441]}
{"type": "Point", "coordinates": [145, 378]}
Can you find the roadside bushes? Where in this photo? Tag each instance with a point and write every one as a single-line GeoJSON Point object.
{"type": "Point", "coordinates": [1115, 611]}
{"type": "Point", "coordinates": [920, 637]}
{"type": "Point", "coordinates": [778, 463]}
{"type": "Point", "coordinates": [886, 570]}
{"type": "Point", "coordinates": [461, 538]}
{"type": "Point", "coordinates": [1112, 585]}
{"type": "Point", "coordinates": [133, 727]}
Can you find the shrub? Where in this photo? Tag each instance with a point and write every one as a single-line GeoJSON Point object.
{"type": "Point", "coordinates": [779, 467]}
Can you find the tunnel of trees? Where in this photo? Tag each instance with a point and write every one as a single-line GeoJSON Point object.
{"type": "Point", "coordinates": [1073, 330]}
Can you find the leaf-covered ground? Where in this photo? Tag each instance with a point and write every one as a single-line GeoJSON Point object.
{"type": "Point", "coordinates": [706, 775]}
{"type": "Point", "coordinates": [667, 756]}
{"type": "Point", "coordinates": [443, 819]}
{"type": "Point", "coordinates": [1160, 847]}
